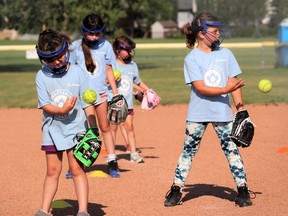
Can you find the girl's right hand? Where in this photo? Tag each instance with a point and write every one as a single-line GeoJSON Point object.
{"type": "Point", "coordinates": [233, 84]}
{"type": "Point", "coordinates": [69, 104]}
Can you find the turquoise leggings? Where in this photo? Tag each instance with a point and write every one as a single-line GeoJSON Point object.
{"type": "Point", "coordinates": [193, 135]}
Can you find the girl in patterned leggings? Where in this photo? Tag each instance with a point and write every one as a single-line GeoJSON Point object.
{"type": "Point", "coordinates": [212, 72]}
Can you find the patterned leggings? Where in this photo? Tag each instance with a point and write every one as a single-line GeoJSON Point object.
{"type": "Point", "coordinates": [193, 135]}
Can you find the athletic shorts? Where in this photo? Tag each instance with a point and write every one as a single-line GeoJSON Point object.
{"type": "Point", "coordinates": [130, 112]}
{"type": "Point", "coordinates": [104, 97]}
{"type": "Point", "coordinates": [50, 148]}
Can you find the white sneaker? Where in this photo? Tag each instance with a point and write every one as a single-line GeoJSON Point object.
{"type": "Point", "coordinates": [136, 158]}
{"type": "Point", "coordinates": [40, 212]}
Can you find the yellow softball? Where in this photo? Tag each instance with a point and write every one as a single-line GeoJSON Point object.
{"type": "Point", "coordinates": [265, 85]}
{"type": "Point", "coordinates": [89, 96]}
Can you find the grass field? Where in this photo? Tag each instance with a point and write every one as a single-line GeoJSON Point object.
{"type": "Point", "coordinates": [161, 69]}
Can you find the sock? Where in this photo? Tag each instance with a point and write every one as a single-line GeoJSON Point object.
{"type": "Point", "coordinates": [111, 157]}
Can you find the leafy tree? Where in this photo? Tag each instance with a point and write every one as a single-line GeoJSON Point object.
{"type": "Point", "coordinates": [134, 17]}
{"type": "Point", "coordinates": [30, 16]}
{"type": "Point", "coordinates": [240, 16]}
{"type": "Point", "coordinates": [280, 11]}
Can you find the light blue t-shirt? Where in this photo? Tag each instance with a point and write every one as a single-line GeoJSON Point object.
{"type": "Point", "coordinates": [213, 68]}
{"type": "Point", "coordinates": [129, 75]}
{"type": "Point", "coordinates": [60, 130]}
{"type": "Point", "coordinates": [102, 55]}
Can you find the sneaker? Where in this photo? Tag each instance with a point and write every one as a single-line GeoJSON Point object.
{"type": "Point", "coordinates": [128, 149]}
{"type": "Point", "coordinates": [243, 197]}
{"type": "Point", "coordinates": [113, 169]}
{"type": "Point", "coordinates": [40, 212]}
{"type": "Point", "coordinates": [136, 158]}
{"type": "Point", "coordinates": [82, 214]}
{"type": "Point", "coordinates": [68, 175]}
{"type": "Point", "coordinates": [173, 196]}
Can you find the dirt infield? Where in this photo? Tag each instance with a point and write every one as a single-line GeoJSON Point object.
{"type": "Point", "coordinates": [140, 190]}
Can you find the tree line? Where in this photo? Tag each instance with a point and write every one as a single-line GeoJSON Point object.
{"type": "Point", "coordinates": [135, 17]}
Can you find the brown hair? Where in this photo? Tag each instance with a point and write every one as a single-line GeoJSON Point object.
{"type": "Point", "coordinates": [122, 41]}
{"type": "Point", "coordinates": [90, 65]}
{"type": "Point", "coordinates": [49, 40]}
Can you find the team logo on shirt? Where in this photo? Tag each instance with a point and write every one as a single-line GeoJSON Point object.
{"type": "Point", "coordinates": [125, 87]}
{"type": "Point", "coordinates": [213, 76]}
{"type": "Point", "coordinates": [58, 98]}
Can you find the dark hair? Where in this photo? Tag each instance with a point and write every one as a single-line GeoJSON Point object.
{"type": "Point", "coordinates": [91, 22]}
{"type": "Point", "coordinates": [191, 29]}
{"type": "Point", "coordinates": [123, 42]}
{"type": "Point", "coordinates": [52, 45]}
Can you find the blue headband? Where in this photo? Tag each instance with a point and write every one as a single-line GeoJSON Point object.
{"type": "Point", "coordinates": [122, 46]}
{"type": "Point", "coordinates": [52, 53]}
{"type": "Point", "coordinates": [93, 31]}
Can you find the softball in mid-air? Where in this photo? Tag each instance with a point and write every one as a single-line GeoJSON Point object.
{"type": "Point", "coordinates": [117, 74]}
{"type": "Point", "coordinates": [265, 85]}
{"type": "Point", "coordinates": [89, 96]}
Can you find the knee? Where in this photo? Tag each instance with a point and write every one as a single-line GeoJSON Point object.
{"type": "Point", "coordinates": [104, 128]}
{"type": "Point", "coordinates": [76, 170]}
{"type": "Point", "coordinates": [129, 127]}
{"type": "Point", "coordinates": [53, 171]}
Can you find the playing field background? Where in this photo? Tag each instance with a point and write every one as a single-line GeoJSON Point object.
{"type": "Point", "coordinates": [160, 68]}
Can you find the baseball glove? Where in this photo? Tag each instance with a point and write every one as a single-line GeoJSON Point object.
{"type": "Point", "coordinates": [88, 148]}
{"type": "Point", "coordinates": [242, 130]}
{"type": "Point", "coordinates": [150, 100]}
{"type": "Point", "coordinates": [117, 110]}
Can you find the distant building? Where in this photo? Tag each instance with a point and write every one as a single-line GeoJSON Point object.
{"type": "Point", "coordinates": [164, 29]}
{"type": "Point", "coordinates": [186, 11]}
{"type": "Point", "coordinates": [8, 34]}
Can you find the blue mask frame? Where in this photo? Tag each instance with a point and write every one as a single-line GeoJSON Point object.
{"type": "Point", "coordinates": [215, 45]}
{"type": "Point", "coordinates": [91, 43]}
{"type": "Point", "coordinates": [212, 24]}
{"type": "Point", "coordinates": [58, 69]}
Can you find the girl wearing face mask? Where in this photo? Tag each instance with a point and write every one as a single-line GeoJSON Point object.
{"type": "Point", "coordinates": [60, 86]}
{"type": "Point", "coordinates": [212, 73]}
{"type": "Point", "coordinates": [124, 49]}
{"type": "Point", "coordinates": [95, 55]}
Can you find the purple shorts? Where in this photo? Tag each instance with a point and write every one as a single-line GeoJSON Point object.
{"type": "Point", "coordinates": [50, 148]}
{"type": "Point", "coordinates": [130, 112]}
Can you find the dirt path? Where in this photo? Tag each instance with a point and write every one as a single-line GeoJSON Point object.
{"type": "Point", "coordinates": [209, 190]}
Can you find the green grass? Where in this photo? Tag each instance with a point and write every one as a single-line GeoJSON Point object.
{"type": "Point", "coordinates": [18, 90]}
{"type": "Point", "coordinates": [161, 70]}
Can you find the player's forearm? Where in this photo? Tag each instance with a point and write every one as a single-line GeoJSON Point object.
{"type": "Point", "coordinates": [237, 98]}
{"type": "Point", "coordinates": [111, 80]}
{"type": "Point", "coordinates": [143, 86]}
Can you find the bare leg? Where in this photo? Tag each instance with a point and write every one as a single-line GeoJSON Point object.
{"type": "Point", "coordinates": [80, 181]}
{"type": "Point", "coordinates": [54, 167]}
{"type": "Point", "coordinates": [101, 113]}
